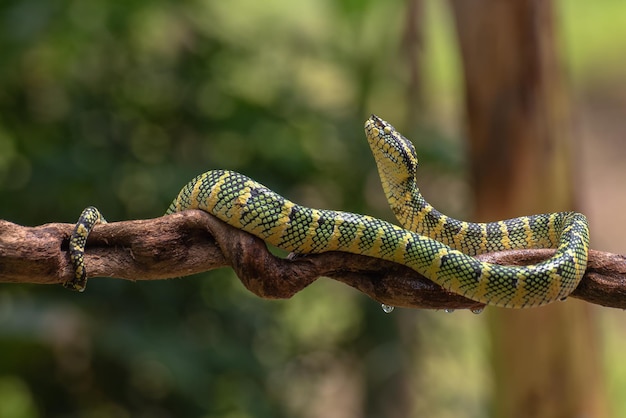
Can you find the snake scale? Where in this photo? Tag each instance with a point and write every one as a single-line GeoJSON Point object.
{"type": "Point", "coordinates": [438, 247]}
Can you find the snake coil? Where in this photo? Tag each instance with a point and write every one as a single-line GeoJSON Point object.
{"type": "Point", "coordinates": [439, 247]}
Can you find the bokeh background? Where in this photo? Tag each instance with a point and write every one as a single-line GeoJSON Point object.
{"type": "Point", "coordinates": [118, 104]}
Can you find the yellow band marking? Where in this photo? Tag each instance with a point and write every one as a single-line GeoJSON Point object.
{"type": "Point", "coordinates": [505, 240]}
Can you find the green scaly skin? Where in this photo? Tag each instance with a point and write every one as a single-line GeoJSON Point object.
{"type": "Point", "coordinates": [252, 207]}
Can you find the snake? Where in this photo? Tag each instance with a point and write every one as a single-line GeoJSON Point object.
{"type": "Point", "coordinates": [436, 246]}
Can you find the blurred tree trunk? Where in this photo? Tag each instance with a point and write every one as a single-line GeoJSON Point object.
{"type": "Point", "coordinates": [546, 360]}
{"type": "Point", "coordinates": [412, 52]}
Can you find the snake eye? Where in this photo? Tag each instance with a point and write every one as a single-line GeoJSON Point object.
{"type": "Point", "coordinates": [378, 121]}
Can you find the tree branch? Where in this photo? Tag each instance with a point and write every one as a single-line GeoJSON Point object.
{"type": "Point", "coordinates": [194, 241]}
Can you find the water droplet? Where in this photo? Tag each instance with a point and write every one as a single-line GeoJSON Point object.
{"type": "Point", "coordinates": [387, 308]}
{"type": "Point", "coordinates": [477, 311]}
{"type": "Point", "coordinates": [448, 310]}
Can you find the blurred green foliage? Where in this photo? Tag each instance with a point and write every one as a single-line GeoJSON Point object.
{"type": "Point", "coordinates": [118, 104]}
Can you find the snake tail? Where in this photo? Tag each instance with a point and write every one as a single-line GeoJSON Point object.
{"type": "Point", "coordinates": [86, 221]}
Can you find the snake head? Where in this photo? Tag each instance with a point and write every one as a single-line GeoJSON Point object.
{"type": "Point", "coordinates": [394, 154]}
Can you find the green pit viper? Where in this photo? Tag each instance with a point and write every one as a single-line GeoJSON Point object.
{"type": "Point", "coordinates": [438, 247]}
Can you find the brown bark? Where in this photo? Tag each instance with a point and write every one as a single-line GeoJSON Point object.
{"type": "Point", "coordinates": [545, 361]}
{"type": "Point", "coordinates": [194, 241]}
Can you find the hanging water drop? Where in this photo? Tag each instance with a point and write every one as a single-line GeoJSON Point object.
{"type": "Point", "coordinates": [387, 308]}
{"type": "Point", "coordinates": [477, 311]}
{"type": "Point", "coordinates": [448, 310]}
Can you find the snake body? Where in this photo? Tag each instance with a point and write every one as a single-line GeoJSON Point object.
{"type": "Point", "coordinates": [397, 163]}
{"type": "Point", "coordinates": [434, 245]}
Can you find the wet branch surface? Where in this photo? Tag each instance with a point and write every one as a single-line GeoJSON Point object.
{"type": "Point", "coordinates": [191, 242]}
